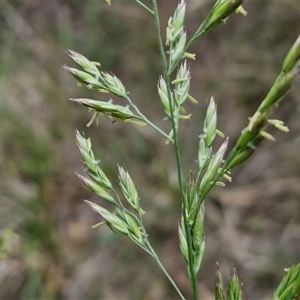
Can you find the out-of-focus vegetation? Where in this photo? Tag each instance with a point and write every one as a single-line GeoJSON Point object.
{"type": "Point", "coordinates": [47, 248]}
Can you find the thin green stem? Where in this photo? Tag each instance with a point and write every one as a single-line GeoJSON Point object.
{"type": "Point", "coordinates": [145, 119]}
{"type": "Point", "coordinates": [200, 31]}
{"type": "Point", "coordinates": [117, 196]}
{"type": "Point", "coordinates": [164, 270]}
{"type": "Point", "coordinates": [148, 248]}
{"type": "Point", "coordinates": [177, 153]}
{"type": "Point", "coordinates": [146, 7]}
{"type": "Point", "coordinates": [152, 252]}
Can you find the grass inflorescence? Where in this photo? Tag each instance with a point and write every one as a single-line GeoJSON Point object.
{"type": "Point", "coordinates": [214, 166]}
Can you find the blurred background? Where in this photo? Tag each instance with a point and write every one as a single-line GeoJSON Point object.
{"type": "Point", "coordinates": [47, 247]}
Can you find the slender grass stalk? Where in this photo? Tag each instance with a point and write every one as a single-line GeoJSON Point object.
{"type": "Point", "coordinates": [145, 6]}
{"type": "Point", "coordinates": [155, 256]}
{"type": "Point", "coordinates": [145, 119]}
{"type": "Point", "coordinates": [166, 76]}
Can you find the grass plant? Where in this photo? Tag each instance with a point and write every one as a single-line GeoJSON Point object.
{"type": "Point", "coordinates": [214, 165]}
